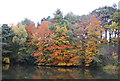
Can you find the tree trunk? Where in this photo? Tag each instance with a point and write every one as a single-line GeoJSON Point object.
{"type": "Point", "coordinates": [109, 37]}
{"type": "Point", "coordinates": [115, 33]}
{"type": "Point", "coordinates": [101, 34]}
{"type": "Point", "coordinates": [119, 40]}
{"type": "Point", "coordinates": [106, 33]}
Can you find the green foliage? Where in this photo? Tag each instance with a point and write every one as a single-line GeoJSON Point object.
{"type": "Point", "coordinates": [26, 21]}
{"type": "Point", "coordinates": [52, 27]}
{"type": "Point", "coordinates": [24, 55]}
{"type": "Point", "coordinates": [58, 14]}
{"type": "Point", "coordinates": [6, 37]}
{"type": "Point", "coordinates": [116, 16]}
{"type": "Point", "coordinates": [106, 10]}
{"type": "Point", "coordinates": [107, 56]}
{"type": "Point", "coordinates": [9, 49]}
{"type": "Point", "coordinates": [72, 18]}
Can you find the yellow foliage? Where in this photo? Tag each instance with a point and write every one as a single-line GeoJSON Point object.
{"type": "Point", "coordinates": [62, 63]}
{"type": "Point", "coordinates": [67, 36]}
{"type": "Point", "coordinates": [88, 61]}
{"type": "Point", "coordinates": [48, 64]}
{"type": "Point", "coordinates": [68, 64]}
{"type": "Point", "coordinates": [98, 34]}
{"type": "Point", "coordinates": [87, 70]}
{"type": "Point", "coordinates": [90, 52]}
{"type": "Point", "coordinates": [40, 64]}
{"type": "Point", "coordinates": [62, 70]}
{"type": "Point", "coordinates": [115, 56]}
{"type": "Point", "coordinates": [87, 64]}
{"type": "Point", "coordinates": [20, 33]}
{"type": "Point", "coordinates": [6, 60]}
{"type": "Point", "coordinates": [46, 44]}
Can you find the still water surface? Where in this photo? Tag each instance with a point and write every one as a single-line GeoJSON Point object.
{"type": "Point", "coordinates": [42, 72]}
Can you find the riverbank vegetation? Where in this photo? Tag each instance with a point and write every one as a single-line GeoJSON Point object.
{"type": "Point", "coordinates": [65, 40]}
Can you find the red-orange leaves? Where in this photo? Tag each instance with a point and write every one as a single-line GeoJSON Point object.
{"type": "Point", "coordinates": [89, 34]}
{"type": "Point", "coordinates": [58, 47]}
{"type": "Point", "coordinates": [37, 54]}
{"type": "Point", "coordinates": [62, 45]}
{"type": "Point", "coordinates": [66, 46]}
{"type": "Point", "coordinates": [41, 32]}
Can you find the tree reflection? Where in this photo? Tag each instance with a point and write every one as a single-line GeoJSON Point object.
{"type": "Point", "coordinates": [6, 67]}
{"type": "Point", "coordinates": [61, 73]}
{"type": "Point", "coordinates": [42, 72]}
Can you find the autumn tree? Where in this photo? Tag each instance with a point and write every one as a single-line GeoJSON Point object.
{"type": "Point", "coordinates": [20, 34]}
{"type": "Point", "coordinates": [59, 43]}
{"type": "Point", "coordinates": [39, 38]}
{"type": "Point", "coordinates": [53, 41]}
{"type": "Point", "coordinates": [88, 32]}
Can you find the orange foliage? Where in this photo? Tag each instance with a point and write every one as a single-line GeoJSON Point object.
{"type": "Point", "coordinates": [58, 47]}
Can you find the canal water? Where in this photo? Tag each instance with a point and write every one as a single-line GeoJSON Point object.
{"type": "Point", "coordinates": [42, 72]}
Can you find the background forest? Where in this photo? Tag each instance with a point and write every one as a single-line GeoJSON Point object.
{"type": "Point", "coordinates": [69, 40]}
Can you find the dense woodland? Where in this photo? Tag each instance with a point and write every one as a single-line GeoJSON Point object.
{"type": "Point", "coordinates": [65, 40]}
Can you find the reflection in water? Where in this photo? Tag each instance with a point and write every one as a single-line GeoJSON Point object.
{"type": "Point", "coordinates": [61, 73]}
{"type": "Point", "coordinates": [6, 66]}
{"type": "Point", "coordinates": [41, 72]}
{"type": "Point", "coordinates": [56, 73]}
